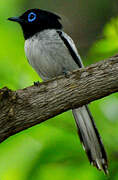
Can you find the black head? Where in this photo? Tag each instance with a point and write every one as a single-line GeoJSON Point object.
{"type": "Point", "coordinates": [36, 20]}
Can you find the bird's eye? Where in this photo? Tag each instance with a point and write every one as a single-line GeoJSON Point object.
{"type": "Point", "coordinates": [31, 17]}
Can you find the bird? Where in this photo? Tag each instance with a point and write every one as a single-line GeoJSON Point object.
{"type": "Point", "coordinates": [51, 52]}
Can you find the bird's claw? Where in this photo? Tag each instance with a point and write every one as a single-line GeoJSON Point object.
{"type": "Point", "coordinates": [37, 83]}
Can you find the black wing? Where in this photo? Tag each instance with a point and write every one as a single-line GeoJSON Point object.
{"type": "Point", "coordinates": [71, 48]}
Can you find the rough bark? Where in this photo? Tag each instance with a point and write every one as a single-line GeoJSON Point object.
{"type": "Point", "coordinates": [24, 108]}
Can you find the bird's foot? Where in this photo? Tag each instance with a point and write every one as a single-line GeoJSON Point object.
{"type": "Point", "coordinates": [66, 73]}
{"type": "Point", "coordinates": [37, 83]}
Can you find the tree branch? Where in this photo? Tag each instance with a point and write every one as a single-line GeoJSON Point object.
{"type": "Point", "coordinates": [24, 108]}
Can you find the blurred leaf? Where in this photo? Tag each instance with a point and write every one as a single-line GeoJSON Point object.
{"type": "Point", "coordinates": [108, 45]}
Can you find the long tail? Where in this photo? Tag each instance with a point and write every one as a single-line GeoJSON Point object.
{"type": "Point", "coordinates": [90, 138]}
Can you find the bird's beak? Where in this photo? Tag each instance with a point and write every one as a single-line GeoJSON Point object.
{"type": "Point", "coordinates": [15, 19]}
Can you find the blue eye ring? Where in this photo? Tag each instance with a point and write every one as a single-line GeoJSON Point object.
{"type": "Point", "coordinates": [33, 18]}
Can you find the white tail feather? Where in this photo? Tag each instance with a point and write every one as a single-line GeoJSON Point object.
{"type": "Point", "coordinates": [90, 138]}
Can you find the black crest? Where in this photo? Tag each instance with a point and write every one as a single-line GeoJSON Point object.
{"type": "Point", "coordinates": [36, 20]}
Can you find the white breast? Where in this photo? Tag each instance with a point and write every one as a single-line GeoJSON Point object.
{"type": "Point", "coordinates": [48, 55]}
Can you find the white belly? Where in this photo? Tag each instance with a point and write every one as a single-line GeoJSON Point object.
{"type": "Point", "coordinates": [48, 55]}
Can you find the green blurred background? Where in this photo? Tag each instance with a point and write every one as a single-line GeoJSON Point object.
{"type": "Point", "coordinates": [51, 150]}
